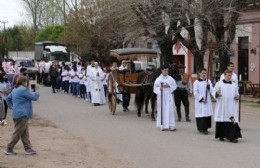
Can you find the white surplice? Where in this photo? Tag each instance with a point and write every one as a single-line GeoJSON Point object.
{"type": "Point", "coordinates": [97, 89]}
{"type": "Point", "coordinates": [226, 105]}
{"type": "Point", "coordinates": [167, 104]}
{"type": "Point", "coordinates": [199, 91]}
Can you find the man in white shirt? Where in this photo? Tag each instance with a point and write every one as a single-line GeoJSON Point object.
{"type": "Point", "coordinates": [181, 94]}
{"type": "Point", "coordinates": [234, 75]}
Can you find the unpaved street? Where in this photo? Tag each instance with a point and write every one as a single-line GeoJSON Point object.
{"type": "Point", "coordinates": [138, 142]}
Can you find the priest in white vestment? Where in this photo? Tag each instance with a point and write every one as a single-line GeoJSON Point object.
{"type": "Point", "coordinates": [88, 80]}
{"type": "Point", "coordinates": [97, 89]}
{"type": "Point", "coordinates": [164, 86]}
{"type": "Point", "coordinates": [226, 110]}
{"type": "Point", "coordinates": [203, 107]}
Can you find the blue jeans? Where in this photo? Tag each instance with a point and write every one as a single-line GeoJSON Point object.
{"type": "Point", "coordinates": [75, 88]}
{"type": "Point", "coordinates": [65, 86]}
{"type": "Point", "coordinates": [82, 90]}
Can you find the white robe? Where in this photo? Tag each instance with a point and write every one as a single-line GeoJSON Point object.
{"type": "Point", "coordinates": [89, 69]}
{"type": "Point", "coordinates": [168, 103]}
{"type": "Point", "coordinates": [97, 89]}
{"type": "Point", "coordinates": [199, 91]}
{"type": "Point", "coordinates": [226, 106]}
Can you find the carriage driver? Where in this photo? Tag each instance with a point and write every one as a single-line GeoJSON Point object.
{"type": "Point", "coordinates": [126, 96]}
{"type": "Point", "coordinates": [181, 93]}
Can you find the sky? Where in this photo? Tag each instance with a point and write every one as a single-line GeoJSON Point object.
{"type": "Point", "coordinates": [11, 11]}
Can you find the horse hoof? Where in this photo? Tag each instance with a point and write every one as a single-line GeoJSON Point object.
{"type": "Point", "coordinates": [153, 119]}
{"type": "Point", "coordinates": [139, 114]}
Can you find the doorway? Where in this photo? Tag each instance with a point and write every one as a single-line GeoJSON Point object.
{"type": "Point", "coordinates": [243, 58]}
{"type": "Point", "coordinates": [178, 59]}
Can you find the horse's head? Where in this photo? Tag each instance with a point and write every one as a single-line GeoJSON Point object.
{"type": "Point", "coordinates": [174, 72]}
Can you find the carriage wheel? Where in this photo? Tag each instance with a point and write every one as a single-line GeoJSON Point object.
{"type": "Point", "coordinates": [111, 94]}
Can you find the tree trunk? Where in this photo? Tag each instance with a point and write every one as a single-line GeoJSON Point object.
{"type": "Point", "coordinates": [166, 49]}
{"type": "Point", "coordinates": [223, 60]}
{"type": "Point", "coordinates": [198, 60]}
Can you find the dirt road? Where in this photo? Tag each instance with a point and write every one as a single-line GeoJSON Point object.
{"type": "Point", "coordinates": [124, 140]}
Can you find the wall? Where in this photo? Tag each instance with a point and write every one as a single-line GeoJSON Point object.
{"type": "Point", "coordinates": [249, 26]}
{"type": "Point", "coordinates": [24, 54]}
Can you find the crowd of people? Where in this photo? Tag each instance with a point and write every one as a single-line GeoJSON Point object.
{"type": "Point", "coordinates": [89, 82]}
{"type": "Point", "coordinates": [81, 80]}
{"type": "Point", "coordinates": [84, 80]}
{"type": "Point", "coordinates": [225, 92]}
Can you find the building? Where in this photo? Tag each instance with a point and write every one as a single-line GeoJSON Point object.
{"type": "Point", "coordinates": [244, 51]}
{"type": "Point", "coordinates": [246, 46]}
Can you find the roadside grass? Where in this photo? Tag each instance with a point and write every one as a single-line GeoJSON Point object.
{"type": "Point", "coordinates": [243, 102]}
{"type": "Point", "coordinates": [250, 103]}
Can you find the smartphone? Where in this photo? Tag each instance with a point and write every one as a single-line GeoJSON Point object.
{"type": "Point", "coordinates": [33, 83]}
{"type": "Point", "coordinates": [33, 87]}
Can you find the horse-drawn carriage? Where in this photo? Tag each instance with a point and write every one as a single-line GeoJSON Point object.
{"type": "Point", "coordinates": [126, 81]}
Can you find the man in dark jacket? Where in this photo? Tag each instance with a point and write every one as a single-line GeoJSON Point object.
{"type": "Point", "coordinates": [53, 75]}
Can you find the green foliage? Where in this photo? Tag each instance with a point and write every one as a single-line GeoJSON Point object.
{"type": "Point", "coordinates": [27, 38]}
{"type": "Point", "coordinates": [50, 33]}
{"type": "Point", "coordinates": [15, 38]}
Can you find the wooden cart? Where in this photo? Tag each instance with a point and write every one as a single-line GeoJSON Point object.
{"type": "Point", "coordinates": [119, 82]}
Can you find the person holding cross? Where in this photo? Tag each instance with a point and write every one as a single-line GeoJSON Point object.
{"type": "Point", "coordinates": [164, 86]}
{"type": "Point", "coordinates": [202, 88]}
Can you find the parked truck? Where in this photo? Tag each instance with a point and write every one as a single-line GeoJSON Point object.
{"type": "Point", "coordinates": [51, 50]}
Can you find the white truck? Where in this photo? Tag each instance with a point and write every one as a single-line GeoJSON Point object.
{"type": "Point", "coordinates": [51, 50]}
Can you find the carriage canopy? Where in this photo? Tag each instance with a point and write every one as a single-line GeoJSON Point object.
{"type": "Point", "coordinates": [133, 53]}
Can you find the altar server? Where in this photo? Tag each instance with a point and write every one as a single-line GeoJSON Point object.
{"type": "Point", "coordinates": [203, 107]}
{"type": "Point", "coordinates": [226, 110]}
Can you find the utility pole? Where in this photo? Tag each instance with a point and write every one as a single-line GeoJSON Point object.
{"type": "Point", "coordinates": [64, 12]}
{"type": "Point", "coordinates": [64, 20]}
{"type": "Point", "coordinates": [5, 40]}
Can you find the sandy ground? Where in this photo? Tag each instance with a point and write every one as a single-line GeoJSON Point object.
{"type": "Point", "coordinates": [56, 148]}
{"type": "Point", "coordinates": [85, 143]}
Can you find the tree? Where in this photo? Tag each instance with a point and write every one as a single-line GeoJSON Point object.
{"type": "Point", "coordinates": [222, 24]}
{"type": "Point", "coordinates": [218, 17]}
{"type": "Point", "coordinates": [51, 33]}
{"type": "Point", "coordinates": [44, 13]}
{"type": "Point", "coordinates": [17, 38]}
{"type": "Point", "coordinates": [27, 38]}
{"type": "Point", "coordinates": [90, 32]}
{"type": "Point", "coordinates": [34, 10]}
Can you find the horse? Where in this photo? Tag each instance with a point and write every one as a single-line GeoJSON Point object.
{"type": "Point", "coordinates": [145, 93]}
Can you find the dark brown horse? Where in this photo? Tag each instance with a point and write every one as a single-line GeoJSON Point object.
{"type": "Point", "coordinates": [145, 93]}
